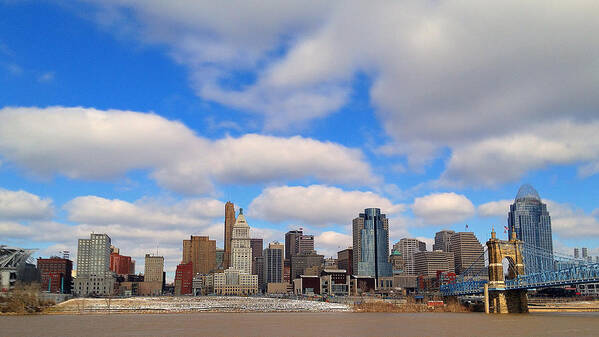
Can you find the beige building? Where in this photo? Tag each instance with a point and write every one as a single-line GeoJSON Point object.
{"type": "Point", "coordinates": [154, 268]}
{"type": "Point", "coordinates": [232, 282]}
{"type": "Point", "coordinates": [429, 263]}
{"type": "Point", "coordinates": [467, 252]}
{"type": "Point", "coordinates": [241, 249]}
{"type": "Point", "coordinates": [407, 247]}
{"type": "Point", "coordinates": [201, 251]}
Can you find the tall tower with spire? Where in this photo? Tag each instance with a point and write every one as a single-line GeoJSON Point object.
{"type": "Point", "coordinates": [229, 223]}
{"type": "Point", "coordinates": [241, 249]}
{"type": "Point", "coordinates": [530, 222]}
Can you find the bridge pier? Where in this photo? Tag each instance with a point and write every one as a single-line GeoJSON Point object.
{"type": "Point", "coordinates": [506, 301]}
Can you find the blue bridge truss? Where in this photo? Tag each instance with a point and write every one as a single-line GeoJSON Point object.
{"type": "Point", "coordinates": [578, 274]}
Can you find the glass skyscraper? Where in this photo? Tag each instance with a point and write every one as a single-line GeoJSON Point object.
{"type": "Point", "coordinates": [371, 244]}
{"type": "Point", "coordinates": [529, 218]}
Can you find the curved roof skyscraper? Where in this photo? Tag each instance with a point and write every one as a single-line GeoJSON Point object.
{"type": "Point", "coordinates": [528, 217]}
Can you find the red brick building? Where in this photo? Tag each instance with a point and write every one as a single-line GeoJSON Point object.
{"type": "Point", "coordinates": [55, 274]}
{"type": "Point", "coordinates": [184, 279]}
{"type": "Point", "coordinates": [120, 264]}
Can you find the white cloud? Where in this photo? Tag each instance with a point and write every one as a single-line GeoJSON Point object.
{"type": "Point", "coordinates": [568, 221]}
{"type": "Point", "coordinates": [481, 78]}
{"type": "Point", "coordinates": [95, 210]}
{"type": "Point", "coordinates": [443, 208]}
{"type": "Point", "coordinates": [317, 205]}
{"type": "Point", "coordinates": [22, 205]}
{"type": "Point", "coordinates": [495, 208]}
{"type": "Point", "coordinates": [330, 242]}
{"type": "Point", "coordinates": [85, 143]}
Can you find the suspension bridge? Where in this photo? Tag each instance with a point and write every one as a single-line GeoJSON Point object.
{"type": "Point", "coordinates": [506, 273]}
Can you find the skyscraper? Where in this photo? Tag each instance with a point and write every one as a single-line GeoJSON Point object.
{"type": "Point", "coordinates": [467, 252]}
{"type": "Point", "coordinates": [241, 251]}
{"type": "Point", "coordinates": [154, 268]}
{"type": "Point", "coordinates": [273, 263]}
{"type": "Point", "coordinates": [290, 240]}
{"type": "Point", "coordinates": [371, 244]}
{"type": "Point", "coordinates": [529, 219]}
{"type": "Point", "coordinates": [257, 246]}
{"type": "Point", "coordinates": [201, 251]}
{"type": "Point", "coordinates": [442, 239]}
{"type": "Point", "coordinates": [576, 253]}
{"type": "Point", "coordinates": [304, 243]}
{"type": "Point", "coordinates": [407, 248]}
{"type": "Point", "coordinates": [229, 222]}
{"type": "Point", "coordinates": [93, 266]}
{"type": "Point", "coordinates": [585, 253]}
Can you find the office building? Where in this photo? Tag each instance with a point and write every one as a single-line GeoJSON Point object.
{"type": "Point", "coordinates": [585, 253]}
{"type": "Point", "coordinates": [407, 247]}
{"type": "Point", "coordinates": [55, 274]}
{"type": "Point", "coordinates": [233, 282]}
{"type": "Point", "coordinates": [576, 253]}
{"type": "Point", "coordinates": [468, 254]}
{"type": "Point", "coordinates": [220, 258]}
{"type": "Point", "coordinates": [154, 268]}
{"type": "Point", "coordinates": [397, 262]}
{"type": "Point", "coordinates": [442, 240]}
{"type": "Point", "coordinates": [241, 251]}
{"type": "Point", "coordinates": [184, 279]}
{"type": "Point", "coordinates": [93, 267]}
{"type": "Point", "coordinates": [371, 244]}
{"type": "Point", "coordinates": [201, 252]}
{"type": "Point", "coordinates": [120, 264]}
{"type": "Point", "coordinates": [429, 263]}
{"type": "Point", "coordinates": [529, 219]}
{"type": "Point", "coordinates": [344, 260]}
{"type": "Point", "coordinates": [229, 223]}
{"type": "Point", "coordinates": [304, 243]}
{"type": "Point", "coordinates": [306, 260]}
{"type": "Point", "coordinates": [290, 242]}
{"type": "Point", "coordinates": [273, 263]}
{"type": "Point", "coordinates": [257, 246]}
{"type": "Point", "coordinates": [259, 271]}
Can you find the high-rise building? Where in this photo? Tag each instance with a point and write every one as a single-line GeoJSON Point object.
{"type": "Point", "coordinates": [304, 243]}
{"type": "Point", "coordinates": [55, 274]}
{"type": "Point", "coordinates": [407, 247]}
{"type": "Point", "coordinates": [468, 254]}
{"type": "Point", "coordinates": [397, 262]}
{"type": "Point", "coordinates": [442, 239]}
{"type": "Point", "coordinates": [372, 251]}
{"type": "Point", "coordinates": [303, 261]}
{"type": "Point", "coordinates": [576, 253]}
{"type": "Point", "coordinates": [120, 264]}
{"type": "Point", "coordinates": [585, 253]}
{"type": "Point", "coordinates": [184, 279]}
{"type": "Point", "coordinates": [220, 257]}
{"type": "Point", "coordinates": [273, 263]}
{"type": "Point", "coordinates": [241, 251]}
{"type": "Point", "coordinates": [259, 270]}
{"type": "Point", "coordinates": [201, 251]}
{"type": "Point", "coordinates": [229, 222]}
{"type": "Point", "coordinates": [529, 219]}
{"type": "Point", "coordinates": [154, 268]}
{"type": "Point", "coordinates": [290, 239]}
{"type": "Point", "coordinates": [429, 263]}
{"type": "Point", "coordinates": [257, 246]}
{"type": "Point", "coordinates": [93, 266]}
{"type": "Point", "coordinates": [344, 260]}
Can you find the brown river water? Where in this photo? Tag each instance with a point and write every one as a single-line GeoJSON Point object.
{"type": "Point", "coordinates": [303, 324]}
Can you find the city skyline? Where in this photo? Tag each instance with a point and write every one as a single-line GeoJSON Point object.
{"type": "Point", "coordinates": [110, 123]}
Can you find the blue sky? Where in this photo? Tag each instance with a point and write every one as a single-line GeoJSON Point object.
{"type": "Point", "coordinates": [141, 118]}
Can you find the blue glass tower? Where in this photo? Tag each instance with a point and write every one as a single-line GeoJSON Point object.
{"type": "Point", "coordinates": [371, 230]}
{"type": "Point", "coordinates": [529, 218]}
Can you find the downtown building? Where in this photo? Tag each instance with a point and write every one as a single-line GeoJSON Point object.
{"type": "Point", "coordinates": [442, 240]}
{"type": "Point", "coordinates": [370, 231]}
{"type": "Point", "coordinates": [344, 260]}
{"type": "Point", "coordinates": [228, 237]}
{"type": "Point", "coordinates": [468, 255]}
{"type": "Point", "coordinates": [407, 247]}
{"type": "Point", "coordinates": [94, 276]}
{"type": "Point", "coordinates": [201, 252]}
{"type": "Point", "coordinates": [154, 276]}
{"type": "Point", "coordinates": [55, 274]}
{"type": "Point", "coordinates": [273, 265]}
{"type": "Point", "coordinates": [529, 220]}
{"type": "Point", "coordinates": [241, 250]}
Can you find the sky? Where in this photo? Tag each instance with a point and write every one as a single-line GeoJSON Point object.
{"type": "Point", "coordinates": [141, 118]}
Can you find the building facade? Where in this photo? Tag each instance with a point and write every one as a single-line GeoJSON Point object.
{"type": "Point", "coordinates": [184, 279]}
{"type": "Point", "coordinates": [229, 223]}
{"type": "Point", "coordinates": [407, 247]}
{"type": "Point", "coordinates": [428, 264]}
{"type": "Point", "coordinates": [372, 229]}
{"type": "Point", "coordinates": [304, 243]}
{"type": "Point", "coordinates": [55, 275]}
{"type": "Point", "coordinates": [273, 263]}
{"type": "Point", "coordinates": [301, 262]}
{"type": "Point", "coordinates": [344, 260]}
{"type": "Point", "coordinates": [468, 254]}
{"type": "Point", "coordinates": [290, 240]}
{"type": "Point", "coordinates": [241, 251]}
{"type": "Point", "coordinates": [201, 251]}
{"type": "Point", "coordinates": [257, 247]}
{"type": "Point", "coordinates": [529, 219]}
{"type": "Point", "coordinates": [153, 274]}
{"type": "Point", "coordinates": [94, 276]}
{"type": "Point", "coordinates": [233, 282]}
{"type": "Point", "coordinates": [442, 240]}
{"type": "Point", "coordinates": [120, 264]}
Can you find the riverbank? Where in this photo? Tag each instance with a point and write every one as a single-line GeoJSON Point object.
{"type": "Point", "coordinates": [563, 306]}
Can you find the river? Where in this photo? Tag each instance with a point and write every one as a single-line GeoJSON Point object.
{"type": "Point", "coordinates": [303, 324]}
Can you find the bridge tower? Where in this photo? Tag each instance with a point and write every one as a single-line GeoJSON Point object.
{"type": "Point", "coordinates": [497, 299]}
